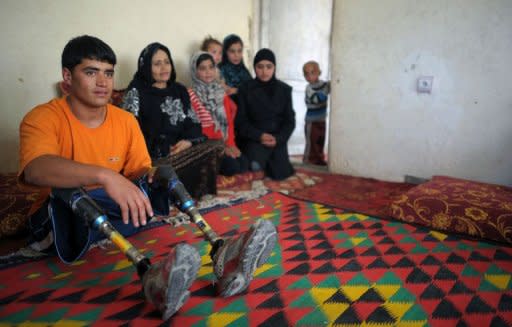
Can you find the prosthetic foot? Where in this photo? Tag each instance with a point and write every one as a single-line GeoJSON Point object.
{"type": "Point", "coordinates": [236, 259]}
{"type": "Point", "coordinates": [165, 284]}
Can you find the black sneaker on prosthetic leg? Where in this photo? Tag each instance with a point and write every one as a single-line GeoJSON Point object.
{"type": "Point", "coordinates": [166, 283]}
{"type": "Point", "coordinates": [236, 260]}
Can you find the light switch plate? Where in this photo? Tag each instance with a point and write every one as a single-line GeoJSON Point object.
{"type": "Point", "coordinates": [424, 84]}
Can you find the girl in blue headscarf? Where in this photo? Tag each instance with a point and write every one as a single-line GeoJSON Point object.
{"type": "Point", "coordinates": [232, 66]}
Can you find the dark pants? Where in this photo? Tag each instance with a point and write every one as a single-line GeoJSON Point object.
{"type": "Point", "coordinates": [231, 166]}
{"type": "Point", "coordinates": [273, 160]}
{"type": "Point", "coordinates": [315, 141]}
{"type": "Point", "coordinates": [71, 234]}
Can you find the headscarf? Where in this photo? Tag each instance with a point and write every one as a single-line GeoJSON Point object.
{"type": "Point", "coordinates": [151, 96]}
{"type": "Point", "coordinates": [143, 78]}
{"type": "Point", "coordinates": [160, 111]}
{"type": "Point", "coordinates": [233, 74]}
{"type": "Point", "coordinates": [211, 94]}
{"type": "Point", "coordinates": [268, 86]}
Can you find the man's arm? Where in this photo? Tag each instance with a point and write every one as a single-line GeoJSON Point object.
{"type": "Point", "coordinates": [55, 171]}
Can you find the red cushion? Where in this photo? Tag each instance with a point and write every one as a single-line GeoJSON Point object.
{"type": "Point", "coordinates": [459, 206]}
{"type": "Point", "coordinates": [15, 203]}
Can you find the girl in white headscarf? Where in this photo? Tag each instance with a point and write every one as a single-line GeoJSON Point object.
{"type": "Point", "coordinates": [216, 111]}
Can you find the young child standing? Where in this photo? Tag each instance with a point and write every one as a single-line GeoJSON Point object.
{"type": "Point", "coordinates": [317, 93]}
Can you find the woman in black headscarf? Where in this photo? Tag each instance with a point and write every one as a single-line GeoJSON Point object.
{"type": "Point", "coordinates": [266, 119]}
{"type": "Point", "coordinates": [170, 127]}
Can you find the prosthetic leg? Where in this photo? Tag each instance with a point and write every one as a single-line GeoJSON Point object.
{"type": "Point", "coordinates": [235, 259]}
{"type": "Point", "coordinates": [166, 283]}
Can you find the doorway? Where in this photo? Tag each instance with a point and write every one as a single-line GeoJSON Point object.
{"type": "Point", "coordinates": [297, 31]}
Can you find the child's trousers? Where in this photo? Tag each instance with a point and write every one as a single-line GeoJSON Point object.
{"type": "Point", "coordinates": [315, 141]}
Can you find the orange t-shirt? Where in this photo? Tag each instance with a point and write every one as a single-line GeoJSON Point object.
{"type": "Point", "coordinates": [52, 128]}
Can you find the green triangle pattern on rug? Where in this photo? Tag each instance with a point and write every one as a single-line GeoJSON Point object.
{"type": "Point", "coordinates": [315, 318]}
{"type": "Point", "coordinates": [19, 316]}
{"type": "Point", "coordinates": [330, 267]}
{"type": "Point", "coordinates": [358, 280]}
{"type": "Point", "coordinates": [330, 282]}
{"type": "Point", "coordinates": [203, 309]}
{"type": "Point", "coordinates": [89, 316]}
{"type": "Point", "coordinates": [306, 300]}
{"type": "Point", "coordinates": [303, 283]}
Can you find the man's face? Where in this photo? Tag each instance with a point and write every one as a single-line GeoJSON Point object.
{"type": "Point", "coordinates": [90, 82]}
{"type": "Point", "coordinates": [311, 73]}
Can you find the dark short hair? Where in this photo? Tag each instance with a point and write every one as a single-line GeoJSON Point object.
{"type": "Point", "coordinates": [86, 47]}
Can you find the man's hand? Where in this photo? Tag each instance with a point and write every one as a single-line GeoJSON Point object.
{"type": "Point", "coordinates": [132, 201]}
{"type": "Point", "coordinates": [268, 140]}
{"type": "Point", "coordinates": [180, 146]}
{"type": "Point", "coordinates": [55, 171]}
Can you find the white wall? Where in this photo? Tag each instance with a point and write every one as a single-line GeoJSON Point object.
{"type": "Point", "coordinates": [382, 128]}
{"type": "Point", "coordinates": [297, 36]}
{"type": "Point", "coordinates": [33, 34]}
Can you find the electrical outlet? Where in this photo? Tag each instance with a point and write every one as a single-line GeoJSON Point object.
{"type": "Point", "coordinates": [424, 84]}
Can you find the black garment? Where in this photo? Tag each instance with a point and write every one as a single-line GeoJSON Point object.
{"type": "Point", "coordinates": [266, 107]}
{"type": "Point", "coordinates": [265, 54]}
{"type": "Point", "coordinates": [230, 166]}
{"type": "Point", "coordinates": [166, 117]}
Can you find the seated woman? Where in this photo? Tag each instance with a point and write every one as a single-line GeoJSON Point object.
{"type": "Point", "coordinates": [265, 119]}
{"type": "Point", "coordinates": [171, 129]}
{"type": "Point", "coordinates": [216, 111]}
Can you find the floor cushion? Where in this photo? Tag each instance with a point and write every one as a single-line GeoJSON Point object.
{"type": "Point", "coordinates": [459, 206]}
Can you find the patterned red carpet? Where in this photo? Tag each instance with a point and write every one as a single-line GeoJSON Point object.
{"type": "Point", "coordinates": [364, 195]}
{"type": "Point", "coordinates": [331, 267]}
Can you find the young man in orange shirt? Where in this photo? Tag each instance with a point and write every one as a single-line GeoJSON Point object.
{"type": "Point", "coordinates": [82, 141]}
